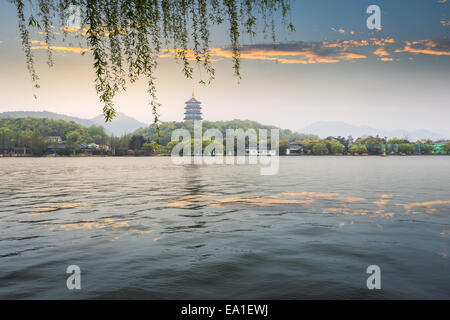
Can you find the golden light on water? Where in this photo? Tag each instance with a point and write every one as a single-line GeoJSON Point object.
{"type": "Point", "coordinates": [314, 202]}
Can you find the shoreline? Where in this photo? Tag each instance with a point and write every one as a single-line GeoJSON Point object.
{"type": "Point", "coordinates": [164, 155]}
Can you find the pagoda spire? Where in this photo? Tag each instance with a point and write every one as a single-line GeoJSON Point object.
{"type": "Point", "coordinates": [193, 109]}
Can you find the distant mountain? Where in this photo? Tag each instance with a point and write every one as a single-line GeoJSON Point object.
{"type": "Point", "coordinates": [47, 115]}
{"type": "Point", "coordinates": [338, 128]}
{"type": "Point", "coordinates": [120, 125]}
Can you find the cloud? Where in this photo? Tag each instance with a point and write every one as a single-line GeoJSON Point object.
{"type": "Point", "coordinates": [67, 29]}
{"type": "Point", "coordinates": [293, 53]}
{"type": "Point", "coordinates": [42, 33]}
{"type": "Point", "coordinates": [308, 52]}
{"type": "Point", "coordinates": [103, 31]}
{"type": "Point", "coordinates": [381, 52]}
{"type": "Point", "coordinates": [60, 48]}
{"type": "Point", "coordinates": [42, 45]}
{"type": "Point", "coordinates": [331, 51]}
{"type": "Point", "coordinates": [430, 47]}
{"type": "Point", "coordinates": [285, 53]}
{"type": "Point", "coordinates": [345, 44]}
{"type": "Point", "coordinates": [302, 52]}
{"type": "Point", "coordinates": [442, 1]}
{"type": "Point", "coordinates": [445, 23]}
{"type": "Point", "coordinates": [340, 30]}
{"type": "Point", "coordinates": [381, 41]}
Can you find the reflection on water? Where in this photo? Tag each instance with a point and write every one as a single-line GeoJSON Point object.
{"type": "Point", "coordinates": [43, 210]}
{"type": "Point", "coordinates": [428, 207]}
{"type": "Point", "coordinates": [144, 228]}
{"type": "Point", "coordinates": [307, 199]}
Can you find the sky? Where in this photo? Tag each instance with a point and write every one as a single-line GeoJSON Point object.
{"type": "Point", "coordinates": [332, 68]}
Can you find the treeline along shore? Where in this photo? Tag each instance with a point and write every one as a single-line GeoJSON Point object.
{"type": "Point", "coordinates": [21, 137]}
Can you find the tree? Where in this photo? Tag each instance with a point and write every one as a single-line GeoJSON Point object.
{"type": "Point", "coordinates": [407, 148]}
{"type": "Point", "coordinates": [397, 141]}
{"type": "Point", "coordinates": [446, 148]}
{"type": "Point", "coordinates": [72, 141]}
{"type": "Point", "coordinates": [349, 141]}
{"type": "Point", "coordinates": [427, 149]}
{"type": "Point", "coordinates": [171, 145]}
{"type": "Point", "coordinates": [307, 146]}
{"type": "Point", "coordinates": [97, 134]}
{"type": "Point", "coordinates": [73, 137]}
{"type": "Point", "coordinates": [343, 141]}
{"type": "Point", "coordinates": [369, 140]}
{"type": "Point", "coordinates": [148, 147]}
{"type": "Point", "coordinates": [17, 132]}
{"type": "Point", "coordinates": [38, 144]}
{"type": "Point", "coordinates": [5, 138]}
{"type": "Point", "coordinates": [424, 141]}
{"type": "Point", "coordinates": [319, 148]}
{"type": "Point", "coordinates": [125, 37]}
{"type": "Point", "coordinates": [336, 147]}
{"type": "Point", "coordinates": [122, 144]}
{"type": "Point", "coordinates": [85, 137]}
{"type": "Point", "coordinates": [376, 149]}
{"type": "Point", "coordinates": [354, 149]}
{"type": "Point", "coordinates": [136, 142]}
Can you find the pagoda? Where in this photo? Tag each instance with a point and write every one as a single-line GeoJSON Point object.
{"type": "Point", "coordinates": [193, 110]}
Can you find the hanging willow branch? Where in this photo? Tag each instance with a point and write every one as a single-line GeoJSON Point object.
{"type": "Point", "coordinates": [125, 36]}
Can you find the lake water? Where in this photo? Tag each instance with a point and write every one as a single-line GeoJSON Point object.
{"type": "Point", "coordinates": [145, 228]}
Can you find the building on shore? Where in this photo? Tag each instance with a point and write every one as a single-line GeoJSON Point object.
{"type": "Point", "coordinates": [294, 148]}
{"type": "Point", "coordinates": [193, 110]}
{"type": "Point", "coordinates": [54, 139]}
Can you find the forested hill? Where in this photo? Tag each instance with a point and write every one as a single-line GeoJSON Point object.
{"type": "Point", "coordinates": [34, 134]}
{"type": "Point", "coordinates": [121, 124]}
{"type": "Point", "coordinates": [46, 115]}
{"type": "Point", "coordinates": [37, 136]}
{"type": "Point", "coordinates": [167, 128]}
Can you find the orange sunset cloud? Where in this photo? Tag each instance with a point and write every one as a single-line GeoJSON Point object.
{"type": "Point", "coordinates": [438, 48]}
{"type": "Point", "coordinates": [60, 48]}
